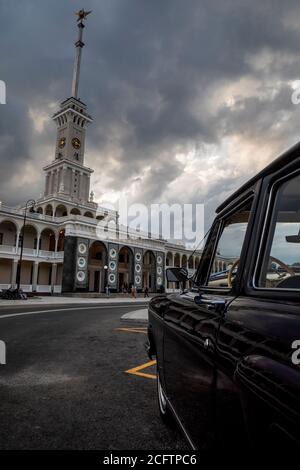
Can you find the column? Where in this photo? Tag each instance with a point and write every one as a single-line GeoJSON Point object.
{"type": "Point", "coordinates": [53, 276]}
{"type": "Point", "coordinates": [17, 241]}
{"type": "Point", "coordinates": [14, 268]}
{"type": "Point", "coordinates": [35, 275]}
{"type": "Point", "coordinates": [38, 244]}
{"type": "Point", "coordinates": [56, 243]}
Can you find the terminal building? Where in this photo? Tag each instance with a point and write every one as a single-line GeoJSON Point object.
{"type": "Point", "coordinates": [62, 250]}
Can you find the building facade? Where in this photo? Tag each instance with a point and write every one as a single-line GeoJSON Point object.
{"type": "Point", "coordinates": [69, 243]}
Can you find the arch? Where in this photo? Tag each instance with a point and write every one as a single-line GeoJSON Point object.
{"type": "Point", "coordinates": [49, 210]}
{"type": "Point", "coordinates": [6, 269]}
{"type": "Point", "coordinates": [61, 211]}
{"type": "Point", "coordinates": [97, 259]}
{"type": "Point", "coordinates": [40, 210]}
{"type": "Point", "coordinates": [177, 260]}
{"type": "Point", "coordinates": [61, 240]}
{"type": "Point", "coordinates": [75, 211]}
{"type": "Point", "coordinates": [125, 269]}
{"type": "Point", "coordinates": [191, 262]}
{"type": "Point", "coordinates": [88, 214]}
{"type": "Point", "coordinates": [169, 259]}
{"type": "Point", "coordinates": [8, 233]}
{"type": "Point", "coordinates": [30, 235]}
{"type": "Point", "coordinates": [47, 240]}
{"type": "Point", "coordinates": [184, 261]}
{"type": "Point", "coordinates": [149, 271]}
{"type": "Point", "coordinates": [44, 274]}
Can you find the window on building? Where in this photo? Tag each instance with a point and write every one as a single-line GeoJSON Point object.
{"type": "Point", "coordinates": [1, 238]}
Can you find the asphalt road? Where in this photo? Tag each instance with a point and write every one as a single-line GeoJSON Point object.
{"type": "Point", "coordinates": [65, 387]}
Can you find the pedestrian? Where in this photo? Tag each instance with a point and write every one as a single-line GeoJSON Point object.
{"type": "Point", "coordinates": [133, 291]}
{"type": "Point", "coordinates": [146, 292]}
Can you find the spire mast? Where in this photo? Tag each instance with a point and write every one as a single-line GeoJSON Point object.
{"type": "Point", "coordinates": [79, 45]}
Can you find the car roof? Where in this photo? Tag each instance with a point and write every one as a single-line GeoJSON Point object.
{"type": "Point", "coordinates": [287, 157]}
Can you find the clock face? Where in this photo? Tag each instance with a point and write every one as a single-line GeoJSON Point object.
{"type": "Point", "coordinates": [62, 142]}
{"type": "Point", "coordinates": [76, 143]}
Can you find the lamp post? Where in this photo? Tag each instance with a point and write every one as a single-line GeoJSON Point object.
{"type": "Point", "coordinates": [29, 204]}
{"type": "Point", "coordinates": [105, 280]}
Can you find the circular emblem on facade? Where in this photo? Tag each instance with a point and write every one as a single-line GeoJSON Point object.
{"type": "Point", "coordinates": [159, 259]}
{"type": "Point", "coordinates": [112, 265]}
{"type": "Point", "coordinates": [112, 278]}
{"type": "Point", "coordinates": [138, 268]}
{"type": "Point", "coordinates": [137, 279]}
{"type": "Point", "coordinates": [81, 262]}
{"type": "Point", "coordinates": [159, 270]}
{"type": "Point", "coordinates": [138, 257]}
{"type": "Point", "coordinates": [112, 253]}
{"type": "Point", "coordinates": [159, 281]}
{"type": "Point", "coordinates": [80, 276]}
{"type": "Point", "coordinates": [82, 248]}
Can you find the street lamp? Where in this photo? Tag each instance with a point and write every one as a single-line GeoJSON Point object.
{"type": "Point", "coordinates": [105, 267]}
{"type": "Point", "coordinates": [29, 204]}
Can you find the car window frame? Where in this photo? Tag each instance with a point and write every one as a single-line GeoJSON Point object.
{"type": "Point", "coordinates": [274, 185]}
{"type": "Point", "coordinates": [208, 256]}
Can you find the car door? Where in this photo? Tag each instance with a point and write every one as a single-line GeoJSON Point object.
{"type": "Point", "coordinates": [256, 353]}
{"type": "Point", "coordinates": [191, 324]}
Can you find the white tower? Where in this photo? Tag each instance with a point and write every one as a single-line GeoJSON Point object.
{"type": "Point", "coordinates": [66, 176]}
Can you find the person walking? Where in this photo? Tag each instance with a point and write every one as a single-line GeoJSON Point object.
{"type": "Point", "coordinates": [146, 292]}
{"type": "Point", "coordinates": [133, 291]}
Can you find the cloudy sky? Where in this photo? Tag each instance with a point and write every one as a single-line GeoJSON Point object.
{"type": "Point", "coordinates": [189, 98]}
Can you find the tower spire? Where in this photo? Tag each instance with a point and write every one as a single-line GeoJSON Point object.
{"type": "Point", "coordinates": [82, 14]}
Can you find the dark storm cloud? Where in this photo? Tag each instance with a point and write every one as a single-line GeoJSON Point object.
{"type": "Point", "coordinates": [149, 69]}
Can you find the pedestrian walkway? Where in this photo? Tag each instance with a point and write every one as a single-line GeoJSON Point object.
{"type": "Point", "coordinates": [61, 300]}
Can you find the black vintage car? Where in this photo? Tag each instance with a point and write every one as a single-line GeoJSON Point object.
{"type": "Point", "coordinates": [228, 349]}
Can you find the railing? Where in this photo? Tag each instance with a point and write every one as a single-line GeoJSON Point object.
{"type": "Point", "coordinates": [32, 252]}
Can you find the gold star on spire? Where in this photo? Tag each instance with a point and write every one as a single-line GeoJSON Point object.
{"type": "Point", "coordinates": [82, 14]}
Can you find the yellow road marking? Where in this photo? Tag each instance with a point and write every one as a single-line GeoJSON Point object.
{"type": "Point", "coordinates": [136, 370]}
{"type": "Point", "coordinates": [133, 330]}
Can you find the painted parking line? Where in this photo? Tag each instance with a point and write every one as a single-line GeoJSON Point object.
{"type": "Point", "coordinates": [133, 330]}
{"type": "Point", "coordinates": [137, 370]}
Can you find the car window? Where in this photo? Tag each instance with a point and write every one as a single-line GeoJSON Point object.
{"type": "Point", "coordinates": [229, 247]}
{"type": "Point", "coordinates": [280, 268]}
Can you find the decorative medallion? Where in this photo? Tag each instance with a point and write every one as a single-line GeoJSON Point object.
{"type": "Point", "coordinates": [82, 248]}
{"type": "Point", "coordinates": [138, 268]}
{"type": "Point", "coordinates": [159, 259]}
{"type": "Point", "coordinates": [113, 253]}
{"type": "Point", "coordinates": [138, 257]}
{"type": "Point", "coordinates": [112, 265]}
{"type": "Point", "coordinates": [159, 281]}
{"type": "Point", "coordinates": [112, 278]}
{"type": "Point", "coordinates": [137, 279]}
{"type": "Point", "coordinates": [81, 262]}
{"type": "Point", "coordinates": [80, 276]}
{"type": "Point", "coordinates": [159, 270]}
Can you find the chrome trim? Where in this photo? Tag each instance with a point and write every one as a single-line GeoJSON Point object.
{"type": "Point", "coordinates": [180, 424]}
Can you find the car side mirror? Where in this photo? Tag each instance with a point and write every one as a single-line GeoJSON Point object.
{"type": "Point", "coordinates": [177, 274]}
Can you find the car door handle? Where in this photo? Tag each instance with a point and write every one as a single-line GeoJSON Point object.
{"type": "Point", "coordinates": [218, 305]}
{"type": "Point", "coordinates": [207, 343]}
